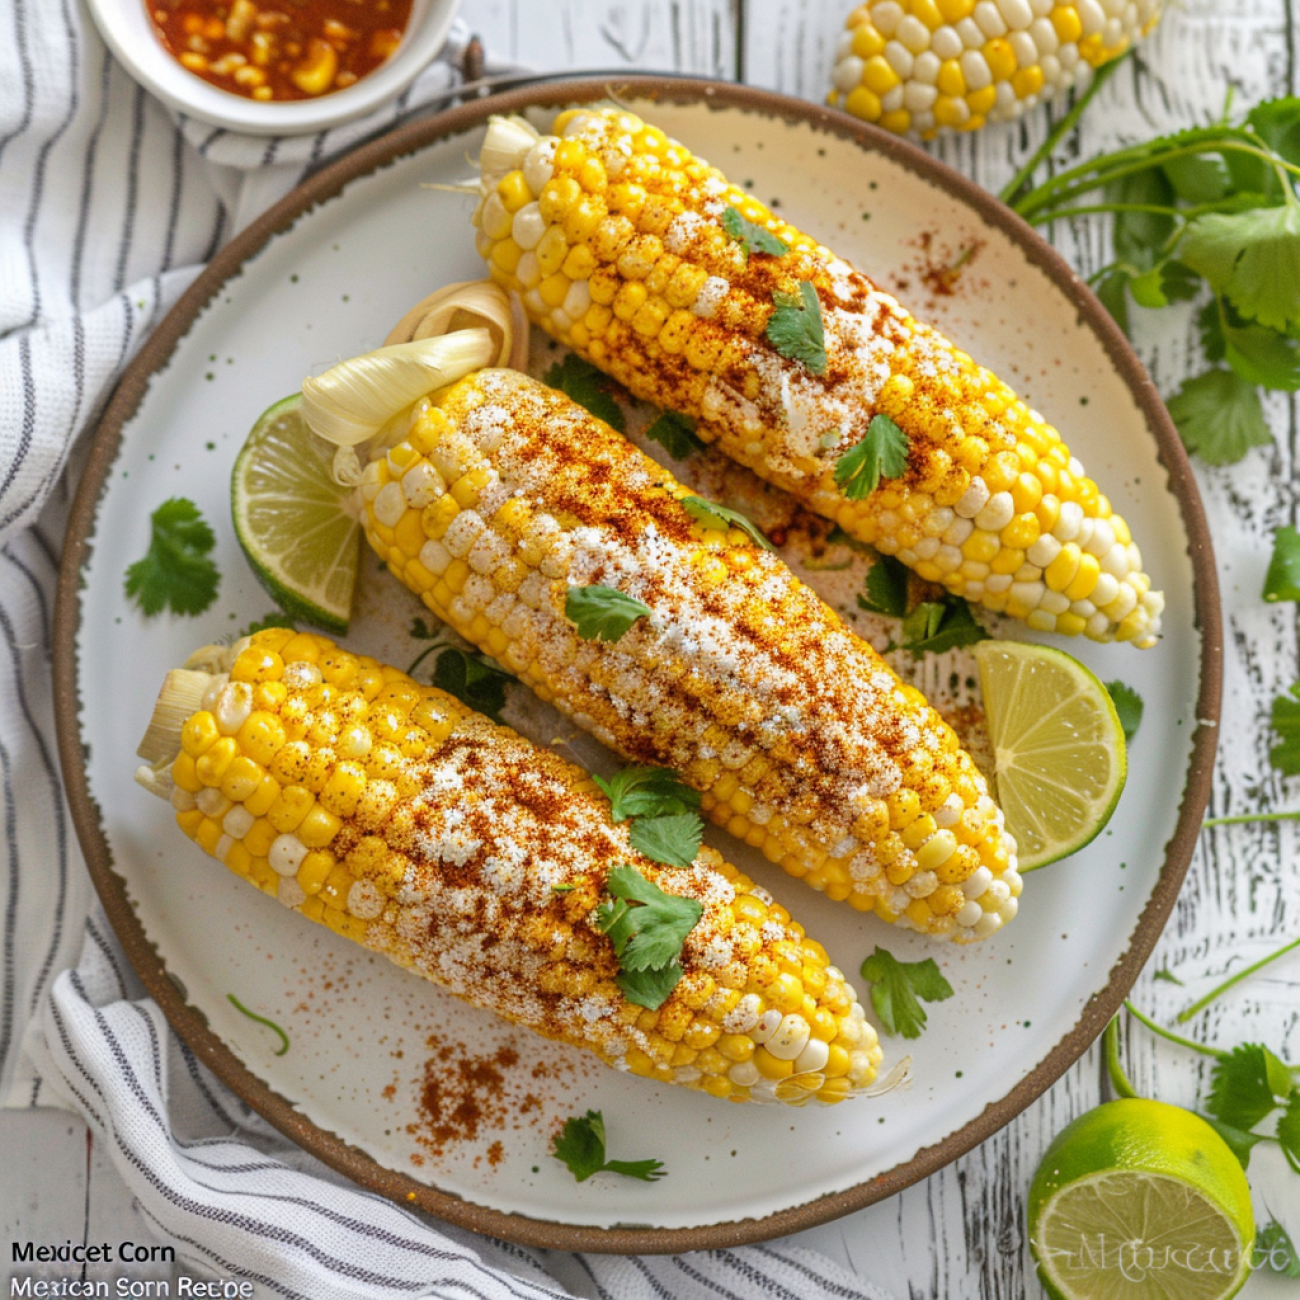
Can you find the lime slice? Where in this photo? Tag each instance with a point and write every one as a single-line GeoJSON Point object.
{"type": "Point", "coordinates": [1138, 1200]}
{"type": "Point", "coordinates": [292, 519]}
{"type": "Point", "coordinates": [1058, 748]}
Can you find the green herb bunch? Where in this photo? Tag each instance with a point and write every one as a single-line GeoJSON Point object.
{"type": "Point", "coordinates": [1208, 216]}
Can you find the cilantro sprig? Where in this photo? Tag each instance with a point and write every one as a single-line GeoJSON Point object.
{"type": "Point", "coordinates": [675, 434]}
{"type": "Point", "coordinates": [176, 572]}
{"type": "Point", "coordinates": [647, 792]}
{"type": "Point", "coordinates": [581, 1146]}
{"type": "Point", "coordinates": [886, 588]}
{"type": "Point", "coordinates": [468, 675]}
{"type": "Point", "coordinates": [899, 987]}
{"type": "Point", "coordinates": [938, 625]}
{"type": "Point", "coordinates": [1128, 706]}
{"type": "Point", "coordinates": [882, 453]}
{"type": "Point", "coordinates": [751, 237]}
{"type": "Point", "coordinates": [603, 613]}
{"type": "Point", "coordinates": [647, 928]}
{"type": "Point", "coordinates": [795, 329]}
{"type": "Point", "coordinates": [1282, 581]}
{"type": "Point", "coordinates": [588, 387]}
{"type": "Point", "coordinates": [1210, 213]}
{"type": "Point", "coordinates": [709, 514]}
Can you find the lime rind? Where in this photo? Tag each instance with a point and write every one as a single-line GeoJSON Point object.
{"type": "Point", "coordinates": [292, 519]}
{"type": "Point", "coordinates": [1058, 744]}
{"type": "Point", "coordinates": [1140, 1200]}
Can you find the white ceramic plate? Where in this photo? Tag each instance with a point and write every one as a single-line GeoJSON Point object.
{"type": "Point", "coordinates": [329, 284]}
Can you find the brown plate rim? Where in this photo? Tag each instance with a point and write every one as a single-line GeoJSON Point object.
{"type": "Point", "coordinates": [191, 1025]}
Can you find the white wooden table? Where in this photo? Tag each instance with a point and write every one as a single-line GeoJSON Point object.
{"type": "Point", "coordinates": [961, 1234]}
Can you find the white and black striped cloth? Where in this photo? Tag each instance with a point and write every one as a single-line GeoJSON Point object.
{"type": "Point", "coordinates": [108, 208]}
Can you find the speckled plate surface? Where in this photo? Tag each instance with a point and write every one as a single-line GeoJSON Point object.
{"type": "Point", "coordinates": [375, 1054]}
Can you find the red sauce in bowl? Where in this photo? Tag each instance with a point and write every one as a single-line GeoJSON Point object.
{"type": "Point", "coordinates": [280, 49]}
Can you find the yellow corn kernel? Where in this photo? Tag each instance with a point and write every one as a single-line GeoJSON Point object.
{"type": "Point", "coordinates": [199, 734]}
{"type": "Point", "coordinates": [878, 76]}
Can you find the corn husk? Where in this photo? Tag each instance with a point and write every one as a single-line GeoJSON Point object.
{"type": "Point", "coordinates": [365, 404]}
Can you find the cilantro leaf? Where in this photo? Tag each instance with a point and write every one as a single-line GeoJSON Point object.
{"type": "Point", "coordinates": [1111, 288]}
{"type": "Point", "coordinates": [886, 586]}
{"type": "Point", "coordinates": [675, 434]}
{"type": "Point", "coordinates": [709, 514]}
{"type": "Point", "coordinates": [882, 453]}
{"type": "Point", "coordinates": [1164, 973]}
{"type": "Point", "coordinates": [1246, 1085]}
{"type": "Point", "coordinates": [1277, 123]}
{"type": "Point", "coordinates": [1282, 582]}
{"type": "Point", "coordinates": [1263, 356]}
{"type": "Point", "coordinates": [936, 626]}
{"type": "Point", "coordinates": [1140, 237]}
{"type": "Point", "coordinates": [581, 1146]}
{"type": "Point", "coordinates": [268, 620]}
{"type": "Point", "coordinates": [647, 792]}
{"type": "Point", "coordinates": [647, 928]}
{"type": "Point", "coordinates": [752, 238]}
{"type": "Point", "coordinates": [899, 987]}
{"type": "Point", "coordinates": [588, 387]}
{"type": "Point", "coordinates": [1219, 417]}
{"type": "Point", "coordinates": [1253, 259]}
{"type": "Point", "coordinates": [421, 631]}
{"type": "Point", "coordinates": [649, 988]}
{"type": "Point", "coordinates": [795, 329]}
{"type": "Point", "coordinates": [473, 679]}
{"type": "Point", "coordinates": [1240, 1143]}
{"type": "Point", "coordinates": [673, 840]}
{"type": "Point", "coordinates": [1285, 756]}
{"type": "Point", "coordinates": [1275, 1251]}
{"type": "Point", "coordinates": [1288, 1130]}
{"type": "Point", "coordinates": [176, 573]}
{"type": "Point", "coordinates": [1198, 177]}
{"type": "Point", "coordinates": [1128, 704]}
{"type": "Point", "coordinates": [1164, 283]}
{"type": "Point", "coordinates": [602, 613]}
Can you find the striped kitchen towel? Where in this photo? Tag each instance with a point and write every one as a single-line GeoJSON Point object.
{"type": "Point", "coordinates": [109, 206]}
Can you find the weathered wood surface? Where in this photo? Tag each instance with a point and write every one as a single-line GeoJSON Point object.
{"type": "Point", "coordinates": [960, 1235]}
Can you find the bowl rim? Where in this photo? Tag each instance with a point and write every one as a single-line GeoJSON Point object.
{"type": "Point", "coordinates": [190, 1024]}
{"type": "Point", "coordinates": [148, 63]}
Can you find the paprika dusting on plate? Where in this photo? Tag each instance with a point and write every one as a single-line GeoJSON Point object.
{"type": "Point", "coordinates": [281, 50]}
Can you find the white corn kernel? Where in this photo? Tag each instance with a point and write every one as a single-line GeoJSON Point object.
{"type": "Point", "coordinates": [238, 822]}
{"type": "Point", "coordinates": [365, 902]}
{"type": "Point", "coordinates": [286, 855]}
{"type": "Point", "coordinates": [768, 1024]}
{"type": "Point", "coordinates": [390, 505]}
{"type": "Point", "coordinates": [422, 485]}
{"type": "Point", "coordinates": [234, 704]}
{"type": "Point", "coordinates": [211, 802]}
{"type": "Point", "coordinates": [528, 226]}
{"type": "Point", "coordinates": [790, 1038]}
{"type": "Point", "coordinates": [290, 892]}
{"type": "Point", "coordinates": [813, 1057]}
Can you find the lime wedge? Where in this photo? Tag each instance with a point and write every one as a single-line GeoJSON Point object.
{"type": "Point", "coordinates": [1138, 1200]}
{"type": "Point", "coordinates": [1058, 748]}
{"type": "Point", "coordinates": [292, 519]}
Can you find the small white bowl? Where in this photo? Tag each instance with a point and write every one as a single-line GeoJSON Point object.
{"type": "Point", "coordinates": [128, 30]}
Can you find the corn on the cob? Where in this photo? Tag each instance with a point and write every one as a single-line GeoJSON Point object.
{"type": "Point", "coordinates": [401, 819]}
{"type": "Point", "coordinates": [505, 496]}
{"type": "Point", "coordinates": [614, 237]}
{"type": "Point", "coordinates": [929, 65]}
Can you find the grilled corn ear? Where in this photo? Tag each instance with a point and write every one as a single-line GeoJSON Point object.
{"type": "Point", "coordinates": [506, 497]}
{"type": "Point", "coordinates": [404, 821]}
{"type": "Point", "coordinates": [631, 251]}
